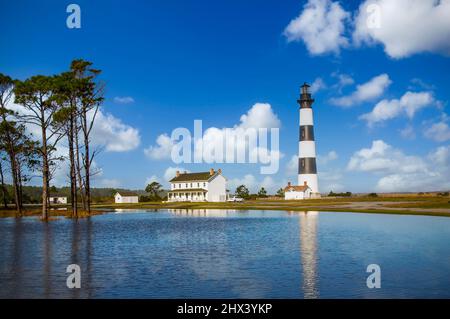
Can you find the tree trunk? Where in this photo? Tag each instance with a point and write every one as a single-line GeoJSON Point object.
{"type": "Point", "coordinates": [45, 173]}
{"type": "Point", "coordinates": [78, 169]}
{"type": "Point", "coordinates": [14, 166]}
{"type": "Point", "coordinates": [87, 158]}
{"type": "Point", "coordinates": [5, 192]}
{"type": "Point", "coordinates": [73, 178]}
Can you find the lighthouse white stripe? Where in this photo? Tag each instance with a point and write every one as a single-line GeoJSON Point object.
{"type": "Point", "coordinates": [306, 117]}
{"type": "Point", "coordinates": [307, 149]}
{"type": "Point", "coordinates": [311, 180]}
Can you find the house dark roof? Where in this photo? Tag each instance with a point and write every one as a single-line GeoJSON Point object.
{"type": "Point", "coordinates": [296, 188]}
{"type": "Point", "coordinates": [126, 194]}
{"type": "Point", "coordinates": [191, 177]}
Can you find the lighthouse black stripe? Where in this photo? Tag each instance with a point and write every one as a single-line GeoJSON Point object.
{"type": "Point", "coordinates": [307, 165]}
{"type": "Point", "coordinates": [306, 133]}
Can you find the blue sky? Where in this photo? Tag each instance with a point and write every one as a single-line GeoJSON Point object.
{"type": "Point", "coordinates": [178, 61]}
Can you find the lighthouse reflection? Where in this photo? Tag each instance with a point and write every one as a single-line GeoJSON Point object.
{"type": "Point", "coordinates": [308, 253]}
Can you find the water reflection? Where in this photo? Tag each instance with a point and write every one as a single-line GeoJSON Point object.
{"type": "Point", "coordinates": [203, 212]}
{"type": "Point", "coordinates": [248, 254]}
{"type": "Point", "coordinates": [308, 248]}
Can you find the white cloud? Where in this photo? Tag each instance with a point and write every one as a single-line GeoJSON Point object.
{"type": "Point", "coordinates": [406, 27]}
{"type": "Point", "coordinates": [260, 115]}
{"type": "Point", "coordinates": [321, 26]}
{"type": "Point", "coordinates": [113, 134]}
{"type": "Point", "coordinates": [123, 100]}
{"type": "Point", "coordinates": [408, 105]}
{"type": "Point", "coordinates": [439, 132]}
{"type": "Point", "coordinates": [343, 80]}
{"type": "Point", "coordinates": [400, 172]}
{"type": "Point", "coordinates": [364, 92]}
{"type": "Point", "coordinates": [108, 131]}
{"type": "Point", "coordinates": [162, 150]}
{"type": "Point", "coordinates": [317, 86]}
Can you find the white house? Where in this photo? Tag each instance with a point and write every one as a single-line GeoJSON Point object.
{"type": "Point", "coordinates": [297, 192]}
{"type": "Point", "coordinates": [57, 199]}
{"type": "Point", "coordinates": [126, 198]}
{"type": "Point", "coordinates": [197, 187]}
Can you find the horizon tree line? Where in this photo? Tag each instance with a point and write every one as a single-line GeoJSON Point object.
{"type": "Point", "coordinates": [56, 107]}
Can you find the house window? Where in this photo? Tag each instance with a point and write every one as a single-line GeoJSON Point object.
{"type": "Point", "coordinates": [191, 185]}
{"type": "Point", "coordinates": [198, 184]}
{"type": "Point", "coordinates": [204, 184]}
{"type": "Point", "coordinates": [186, 185]}
{"type": "Point", "coordinates": [303, 162]}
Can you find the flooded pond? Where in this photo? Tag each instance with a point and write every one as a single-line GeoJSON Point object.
{"type": "Point", "coordinates": [226, 254]}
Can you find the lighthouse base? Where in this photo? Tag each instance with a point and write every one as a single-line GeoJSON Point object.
{"type": "Point", "coordinates": [310, 180]}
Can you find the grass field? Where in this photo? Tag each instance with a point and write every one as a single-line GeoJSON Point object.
{"type": "Point", "coordinates": [401, 204]}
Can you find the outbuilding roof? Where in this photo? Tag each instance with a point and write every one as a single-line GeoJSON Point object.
{"type": "Point", "coordinates": [190, 177]}
{"type": "Point", "coordinates": [295, 188]}
{"type": "Point", "coordinates": [127, 194]}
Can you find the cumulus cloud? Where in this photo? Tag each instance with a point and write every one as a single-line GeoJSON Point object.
{"type": "Point", "coordinates": [162, 150]}
{"type": "Point", "coordinates": [317, 86]}
{"type": "Point", "coordinates": [406, 27]}
{"type": "Point", "coordinates": [214, 146]}
{"type": "Point", "coordinates": [260, 115]}
{"type": "Point", "coordinates": [113, 134]}
{"type": "Point", "coordinates": [108, 131]}
{"type": "Point", "coordinates": [321, 26]}
{"type": "Point", "coordinates": [409, 104]}
{"type": "Point", "coordinates": [439, 132]}
{"type": "Point", "coordinates": [123, 100]}
{"type": "Point", "coordinates": [370, 90]}
{"type": "Point", "coordinates": [400, 172]}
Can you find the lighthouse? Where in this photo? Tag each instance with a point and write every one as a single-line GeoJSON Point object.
{"type": "Point", "coordinates": [307, 169]}
{"type": "Point", "coordinates": [308, 186]}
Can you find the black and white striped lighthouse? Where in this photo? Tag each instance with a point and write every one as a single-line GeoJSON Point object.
{"type": "Point", "coordinates": [307, 169]}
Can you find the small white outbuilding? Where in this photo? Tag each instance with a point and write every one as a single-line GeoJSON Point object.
{"type": "Point", "coordinates": [126, 198]}
{"type": "Point", "coordinates": [292, 192]}
{"type": "Point", "coordinates": [57, 199]}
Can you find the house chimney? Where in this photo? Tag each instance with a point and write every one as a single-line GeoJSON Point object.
{"type": "Point", "coordinates": [178, 173]}
{"type": "Point", "coordinates": [219, 171]}
{"type": "Point", "coordinates": [305, 184]}
{"type": "Point", "coordinates": [289, 184]}
{"type": "Point", "coordinates": [211, 172]}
